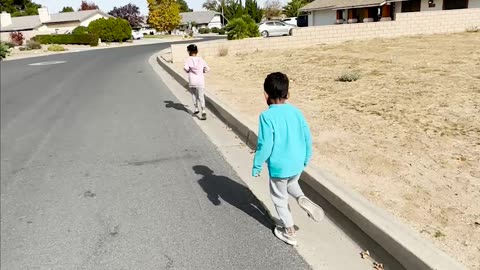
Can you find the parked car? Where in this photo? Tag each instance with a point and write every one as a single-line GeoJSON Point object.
{"type": "Point", "coordinates": [275, 28]}
{"type": "Point", "coordinates": [291, 20]}
{"type": "Point", "coordinates": [137, 35]}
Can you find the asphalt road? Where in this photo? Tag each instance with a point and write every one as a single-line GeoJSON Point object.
{"type": "Point", "coordinates": [101, 168]}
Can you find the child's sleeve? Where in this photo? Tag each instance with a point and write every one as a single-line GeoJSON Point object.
{"type": "Point", "coordinates": [264, 145]}
{"type": "Point", "coordinates": [206, 68]}
{"type": "Point", "coordinates": [308, 142]}
{"type": "Point", "coordinates": [186, 67]}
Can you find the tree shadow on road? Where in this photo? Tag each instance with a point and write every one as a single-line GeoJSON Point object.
{"type": "Point", "coordinates": [221, 188]}
{"type": "Point", "coordinates": [177, 106]}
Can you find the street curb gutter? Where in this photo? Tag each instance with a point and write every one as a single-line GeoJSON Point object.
{"type": "Point", "coordinates": [404, 244]}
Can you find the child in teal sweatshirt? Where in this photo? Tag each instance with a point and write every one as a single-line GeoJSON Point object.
{"type": "Point", "coordinates": [285, 143]}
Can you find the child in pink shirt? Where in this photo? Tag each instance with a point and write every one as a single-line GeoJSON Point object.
{"type": "Point", "coordinates": [196, 67]}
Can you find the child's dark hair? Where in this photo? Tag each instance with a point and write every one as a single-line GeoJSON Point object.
{"type": "Point", "coordinates": [192, 48]}
{"type": "Point", "coordinates": [276, 86]}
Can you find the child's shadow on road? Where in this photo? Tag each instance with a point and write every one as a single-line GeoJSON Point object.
{"type": "Point", "coordinates": [177, 106]}
{"type": "Point", "coordinates": [220, 187]}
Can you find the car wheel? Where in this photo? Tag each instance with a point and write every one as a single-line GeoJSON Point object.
{"type": "Point", "coordinates": [290, 32]}
{"type": "Point", "coordinates": [264, 34]}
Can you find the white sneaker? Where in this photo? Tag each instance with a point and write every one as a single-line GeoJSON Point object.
{"type": "Point", "coordinates": [283, 235]}
{"type": "Point", "coordinates": [314, 211]}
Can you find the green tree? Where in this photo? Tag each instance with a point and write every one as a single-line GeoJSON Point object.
{"type": "Point", "coordinates": [243, 27]}
{"type": "Point", "coordinates": [184, 6]}
{"type": "Point", "coordinates": [232, 9]}
{"type": "Point", "coordinates": [253, 10]}
{"type": "Point", "coordinates": [67, 9]}
{"type": "Point", "coordinates": [164, 15]}
{"type": "Point", "coordinates": [111, 29]}
{"type": "Point", "coordinates": [19, 8]}
{"type": "Point", "coordinates": [213, 5]}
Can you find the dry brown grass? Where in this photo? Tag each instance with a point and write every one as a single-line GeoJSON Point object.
{"type": "Point", "coordinates": [406, 135]}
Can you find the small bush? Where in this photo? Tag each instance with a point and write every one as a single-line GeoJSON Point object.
{"type": "Point", "coordinates": [56, 48]}
{"type": "Point", "coordinates": [222, 32]}
{"type": "Point", "coordinates": [80, 39]}
{"type": "Point", "coordinates": [9, 44]}
{"type": "Point", "coordinates": [202, 30]}
{"type": "Point", "coordinates": [223, 52]}
{"type": "Point", "coordinates": [80, 30]}
{"type": "Point", "coordinates": [24, 49]}
{"type": "Point", "coordinates": [4, 50]}
{"type": "Point", "coordinates": [33, 45]}
{"type": "Point", "coordinates": [111, 29]}
{"type": "Point", "coordinates": [243, 27]}
{"type": "Point", "coordinates": [215, 30]}
{"type": "Point", "coordinates": [17, 38]}
{"type": "Point", "coordinates": [349, 77]}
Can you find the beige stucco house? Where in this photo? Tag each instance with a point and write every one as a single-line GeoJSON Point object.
{"type": "Point", "coordinates": [46, 23]}
{"type": "Point", "coordinates": [328, 12]}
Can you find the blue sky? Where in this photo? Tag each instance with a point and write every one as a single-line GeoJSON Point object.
{"type": "Point", "coordinates": [55, 6]}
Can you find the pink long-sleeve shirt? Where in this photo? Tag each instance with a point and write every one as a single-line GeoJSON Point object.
{"type": "Point", "coordinates": [196, 67]}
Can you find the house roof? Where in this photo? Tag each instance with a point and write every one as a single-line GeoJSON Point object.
{"type": "Point", "coordinates": [22, 23]}
{"type": "Point", "coordinates": [341, 4]}
{"type": "Point", "coordinates": [75, 16]}
{"type": "Point", "coordinates": [32, 22]}
{"type": "Point", "coordinates": [199, 17]}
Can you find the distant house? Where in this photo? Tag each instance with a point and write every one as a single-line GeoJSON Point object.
{"type": "Point", "coordinates": [203, 19]}
{"type": "Point", "coordinates": [327, 12]}
{"type": "Point", "coordinates": [46, 23]}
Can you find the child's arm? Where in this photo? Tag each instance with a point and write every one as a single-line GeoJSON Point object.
{"type": "Point", "coordinates": [206, 68]}
{"type": "Point", "coordinates": [186, 67]}
{"type": "Point", "coordinates": [308, 142]}
{"type": "Point", "coordinates": [264, 145]}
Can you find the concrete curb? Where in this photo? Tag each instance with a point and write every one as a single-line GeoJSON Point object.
{"type": "Point", "coordinates": [404, 244]}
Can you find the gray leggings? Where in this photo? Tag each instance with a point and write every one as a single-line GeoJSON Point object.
{"type": "Point", "coordinates": [280, 188]}
{"type": "Point", "coordinates": [198, 95]}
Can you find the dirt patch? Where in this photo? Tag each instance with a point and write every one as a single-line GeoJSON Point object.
{"type": "Point", "coordinates": [406, 134]}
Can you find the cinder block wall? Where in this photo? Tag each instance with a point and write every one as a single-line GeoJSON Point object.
{"type": "Point", "coordinates": [406, 24]}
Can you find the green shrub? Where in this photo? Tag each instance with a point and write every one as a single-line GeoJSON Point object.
{"type": "Point", "coordinates": [56, 48]}
{"type": "Point", "coordinates": [80, 30]}
{"type": "Point", "coordinates": [349, 77]}
{"type": "Point", "coordinates": [215, 30]}
{"type": "Point", "coordinates": [111, 29]}
{"type": "Point", "coordinates": [221, 31]}
{"type": "Point", "coordinates": [24, 49]}
{"type": "Point", "coordinates": [202, 30]}
{"type": "Point", "coordinates": [33, 45]}
{"type": "Point", "coordinates": [243, 27]}
{"type": "Point", "coordinates": [9, 44]}
{"type": "Point", "coordinates": [4, 50]}
{"type": "Point", "coordinates": [80, 39]}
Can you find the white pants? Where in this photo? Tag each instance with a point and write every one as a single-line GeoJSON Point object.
{"type": "Point", "coordinates": [198, 96]}
{"type": "Point", "coordinates": [280, 188]}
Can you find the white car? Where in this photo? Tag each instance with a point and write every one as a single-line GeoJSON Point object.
{"type": "Point", "coordinates": [275, 28]}
{"type": "Point", "coordinates": [291, 20]}
{"type": "Point", "coordinates": [137, 35]}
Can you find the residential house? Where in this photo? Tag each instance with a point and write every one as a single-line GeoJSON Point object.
{"type": "Point", "coordinates": [328, 12]}
{"type": "Point", "coordinates": [202, 19]}
{"type": "Point", "coordinates": [46, 23]}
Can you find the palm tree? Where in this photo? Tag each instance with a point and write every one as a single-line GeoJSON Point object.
{"type": "Point", "coordinates": [292, 9]}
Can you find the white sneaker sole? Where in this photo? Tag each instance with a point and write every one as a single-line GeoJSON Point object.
{"type": "Point", "coordinates": [280, 236]}
{"type": "Point", "coordinates": [314, 211]}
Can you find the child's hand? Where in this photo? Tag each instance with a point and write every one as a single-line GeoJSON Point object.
{"type": "Point", "coordinates": [256, 173]}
